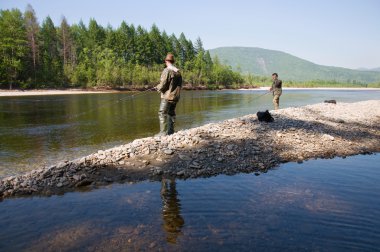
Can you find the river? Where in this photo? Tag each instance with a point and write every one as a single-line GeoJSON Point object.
{"type": "Point", "coordinates": [37, 131]}
{"type": "Point", "coordinates": [319, 205]}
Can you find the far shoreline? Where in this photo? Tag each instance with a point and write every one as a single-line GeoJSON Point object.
{"type": "Point", "coordinates": [39, 92]}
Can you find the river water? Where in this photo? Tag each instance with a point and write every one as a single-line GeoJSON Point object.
{"type": "Point", "coordinates": [319, 205]}
{"type": "Point", "coordinates": [37, 131]}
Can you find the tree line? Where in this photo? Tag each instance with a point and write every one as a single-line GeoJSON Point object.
{"type": "Point", "coordinates": [44, 55]}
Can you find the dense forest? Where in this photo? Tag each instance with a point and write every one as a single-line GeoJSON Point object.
{"type": "Point", "coordinates": [34, 55]}
{"type": "Point", "coordinates": [44, 55]}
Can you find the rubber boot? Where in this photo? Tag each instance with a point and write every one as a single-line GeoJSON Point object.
{"type": "Point", "coordinates": [171, 122]}
{"type": "Point", "coordinates": [163, 126]}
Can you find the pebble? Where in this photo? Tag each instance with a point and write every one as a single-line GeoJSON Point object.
{"type": "Point", "coordinates": [169, 152]}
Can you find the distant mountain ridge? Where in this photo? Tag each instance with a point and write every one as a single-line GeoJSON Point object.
{"type": "Point", "coordinates": [377, 69]}
{"type": "Point", "coordinates": [264, 62]}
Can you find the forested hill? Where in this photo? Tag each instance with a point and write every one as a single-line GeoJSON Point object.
{"type": "Point", "coordinates": [263, 62]}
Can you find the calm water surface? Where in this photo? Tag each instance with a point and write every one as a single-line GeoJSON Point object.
{"type": "Point", "coordinates": [43, 130]}
{"type": "Point", "coordinates": [320, 205]}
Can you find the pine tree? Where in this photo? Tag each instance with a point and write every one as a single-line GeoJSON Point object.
{"type": "Point", "coordinates": [52, 71]}
{"type": "Point", "coordinates": [67, 50]}
{"type": "Point", "coordinates": [198, 47]}
{"type": "Point", "coordinates": [32, 29]}
{"type": "Point", "coordinates": [95, 35]}
{"type": "Point", "coordinates": [158, 44]}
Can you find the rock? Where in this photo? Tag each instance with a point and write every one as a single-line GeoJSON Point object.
{"type": "Point", "coordinates": [193, 166]}
{"type": "Point", "coordinates": [59, 184]}
{"type": "Point", "coordinates": [77, 177]}
{"type": "Point", "coordinates": [60, 165]}
{"type": "Point", "coordinates": [146, 162]}
{"type": "Point", "coordinates": [157, 171]}
{"type": "Point", "coordinates": [328, 137]}
{"type": "Point", "coordinates": [169, 152]}
{"type": "Point", "coordinates": [184, 157]}
{"type": "Point", "coordinates": [181, 173]}
{"type": "Point", "coordinates": [230, 147]}
{"type": "Point", "coordinates": [84, 182]}
{"type": "Point", "coordinates": [106, 179]}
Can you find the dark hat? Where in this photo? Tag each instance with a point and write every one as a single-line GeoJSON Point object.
{"type": "Point", "coordinates": [169, 57]}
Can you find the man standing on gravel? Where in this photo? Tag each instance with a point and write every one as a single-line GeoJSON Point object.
{"type": "Point", "coordinates": [170, 88]}
{"type": "Point", "coordinates": [277, 90]}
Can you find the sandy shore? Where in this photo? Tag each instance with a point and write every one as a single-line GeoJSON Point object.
{"type": "Point", "coordinates": [233, 146]}
{"type": "Point", "coordinates": [50, 92]}
{"type": "Point", "coordinates": [319, 88]}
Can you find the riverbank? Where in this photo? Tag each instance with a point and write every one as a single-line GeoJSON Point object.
{"type": "Point", "coordinates": [92, 91]}
{"type": "Point", "coordinates": [51, 92]}
{"type": "Point", "coordinates": [233, 146]}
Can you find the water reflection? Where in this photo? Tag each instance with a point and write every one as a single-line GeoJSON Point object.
{"type": "Point", "coordinates": [320, 205]}
{"type": "Point", "coordinates": [171, 210]}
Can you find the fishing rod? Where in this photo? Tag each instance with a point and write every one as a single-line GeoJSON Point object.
{"type": "Point", "coordinates": [257, 97]}
{"type": "Point", "coordinates": [129, 97]}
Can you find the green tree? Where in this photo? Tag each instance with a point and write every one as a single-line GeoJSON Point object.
{"type": "Point", "coordinates": [93, 56]}
{"type": "Point", "coordinates": [13, 46]}
{"type": "Point", "coordinates": [158, 45]}
{"type": "Point", "coordinates": [95, 35]}
{"type": "Point", "coordinates": [67, 50]}
{"type": "Point", "coordinates": [52, 67]}
{"type": "Point", "coordinates": [32, 30]}
{"type": "Point", "coordinates": [144, 47]}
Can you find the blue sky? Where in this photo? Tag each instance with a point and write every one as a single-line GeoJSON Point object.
{"type": "Point", "coordinates": [336, 33]}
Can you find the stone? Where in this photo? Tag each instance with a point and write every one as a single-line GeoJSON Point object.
{"type": "Point", "coordinates": [169, 152]}
{"type": "Point", "coordinates": [230, 147]}
{"type": "Point", "coordinates": [193, 166]}
{"type": "Point", "coordinates": [184, 157]}
{"type": "Point", "coordinates": [77, 177]}
{"type": "Point", "coordinates": [181, 173]}
{"type": "Point", "coordinates": [328, 137]}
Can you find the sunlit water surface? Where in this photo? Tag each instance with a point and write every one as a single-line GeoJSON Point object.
{"type": "Point", "coordinates": [320, 205]}
{"type": "Point", "coordinates": [38, 131]}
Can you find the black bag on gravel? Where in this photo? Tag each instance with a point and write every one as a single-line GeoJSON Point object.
{"type": "Point", "coordinates": [264, 116]}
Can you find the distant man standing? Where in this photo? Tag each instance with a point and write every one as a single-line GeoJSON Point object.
{"type": "Point", "coordinates": [277, 90]}
{"type": "Point", "coordinates": [170, 88]}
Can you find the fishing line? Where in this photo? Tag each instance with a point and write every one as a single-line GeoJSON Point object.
{"type": "Point", "coordinates": [129, 97]}
{"type": "Point", "coordinates": [257, 97]}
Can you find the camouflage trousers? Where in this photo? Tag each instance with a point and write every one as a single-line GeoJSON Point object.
{"type": "Point", "coordinates": [276, 99]}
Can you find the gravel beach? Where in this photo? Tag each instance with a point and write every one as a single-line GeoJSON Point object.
{"type": "Point", "coordinates": [239, 145]}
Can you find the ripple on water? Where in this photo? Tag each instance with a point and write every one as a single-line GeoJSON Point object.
{"type": "Point", "coordinates": [318, 205]}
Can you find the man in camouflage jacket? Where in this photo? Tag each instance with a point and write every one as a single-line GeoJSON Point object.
{"type": "Point", "coordinates": [277, 90]}
{"type": "Point", "coordinates": [170, 88]}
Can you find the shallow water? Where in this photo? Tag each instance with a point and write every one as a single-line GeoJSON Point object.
{"type": "Point", "coordinates": [320, 205]}
{"type": "Point", "coordinates": [44, 130]}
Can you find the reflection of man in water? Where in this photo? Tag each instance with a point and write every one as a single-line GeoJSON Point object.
{"type": "Point", "coordinates": [171, 210]}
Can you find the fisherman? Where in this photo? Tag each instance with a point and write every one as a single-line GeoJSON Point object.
{"type": "Point", "coordinates": [170, 88]}
{"type": "Point", "coordinates": [277, 90]}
